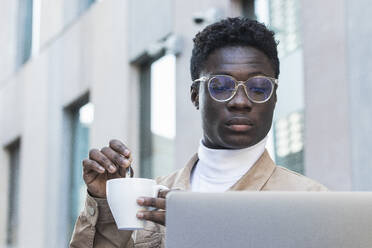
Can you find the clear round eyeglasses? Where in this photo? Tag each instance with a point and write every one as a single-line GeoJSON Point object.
{"type": "Point", "coordinates": [223, 88]}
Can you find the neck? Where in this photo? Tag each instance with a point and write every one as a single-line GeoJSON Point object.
{"type": "Point", "coordinates": [205, 141]}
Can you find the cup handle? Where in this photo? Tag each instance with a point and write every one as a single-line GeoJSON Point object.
{"type": "Point", "coordinates": [157, 188]}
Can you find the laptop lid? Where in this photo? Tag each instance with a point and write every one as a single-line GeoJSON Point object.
{"type": "Point", "coordinates": [269, 219]}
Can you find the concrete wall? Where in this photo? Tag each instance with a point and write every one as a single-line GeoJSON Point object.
{"type": "Point", "coordinates": [338, 90]}
{"type": "Point", "coordinates": [150, 21]}
{"type": "Point", "coordinates": [57, 16]}
{"type": "Point", "coordinates": [327, 112]}
{"type": "Point", "coordinates": [359, 59]}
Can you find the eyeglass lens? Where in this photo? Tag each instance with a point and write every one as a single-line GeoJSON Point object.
{"type": "Point", "coordinates": [258, 89]}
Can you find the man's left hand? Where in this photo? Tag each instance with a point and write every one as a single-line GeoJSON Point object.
{"type": "Point", "coordinates": [157, 215]}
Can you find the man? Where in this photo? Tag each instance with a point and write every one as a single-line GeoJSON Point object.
{"type": "Point", "coordinates": [234, 68]}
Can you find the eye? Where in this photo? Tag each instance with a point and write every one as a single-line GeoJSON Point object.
{"type": "Point", "coordinates": [218, 86]}
{"type": "Point", "coordinates": [257, 90]}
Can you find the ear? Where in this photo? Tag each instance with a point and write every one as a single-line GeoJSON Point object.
{"type": "Point", "coordinates": [194, 92]}
{"type": "Point", "coordinates": [274, 94]}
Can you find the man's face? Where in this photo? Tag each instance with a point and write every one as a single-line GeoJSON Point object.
{"type": "Point", "coordinates": [252, 121]}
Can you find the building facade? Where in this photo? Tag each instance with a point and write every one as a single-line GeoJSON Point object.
{"type": "Point", "coordinates": [76, 74]}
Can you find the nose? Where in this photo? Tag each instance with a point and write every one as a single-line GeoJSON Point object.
{"type": "Point", "coordinates": [240, 101]}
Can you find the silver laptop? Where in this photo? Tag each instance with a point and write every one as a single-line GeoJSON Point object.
{"type": "Point", "coordinates": [269, 220]}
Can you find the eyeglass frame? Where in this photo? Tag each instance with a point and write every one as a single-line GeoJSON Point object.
{"type": "Point", "coordinates": [273, 81]}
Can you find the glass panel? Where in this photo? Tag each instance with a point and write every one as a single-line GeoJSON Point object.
{"type": "Point", "coordinates": [285, 21]}
{"type": "Point", "coordinates": [163, 114]}
{"type": "Point", "coordinates": [248, 9]}
{"type": "Point", "coordinates": [288, 139]}
{"type": "Point", "coordinates": [145, 122]}
{"type": "Point", "coordinates": [157, 117]}
{"type": "Point", "coordinates": [24, 35]}
{"type": "Point", "coordinates": [81, 121]}
{"type": "Point", "coordinates": [261, 8]}
{"type": "Point", "coordinates": [12, 223]}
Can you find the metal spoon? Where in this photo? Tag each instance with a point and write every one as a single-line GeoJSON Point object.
{"type": "Point", "coordinates": [128, 172]}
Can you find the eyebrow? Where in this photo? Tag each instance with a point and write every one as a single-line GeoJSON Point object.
{"type": "Point", "coordinates": [256, 73]}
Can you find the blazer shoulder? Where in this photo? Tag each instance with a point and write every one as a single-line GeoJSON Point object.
{"type": "Point", "coordinates": [180, 179]}
{"type": "Point", "coordinates": [285, 179]}
{"type": "Point", "coordinates": [169, 180]}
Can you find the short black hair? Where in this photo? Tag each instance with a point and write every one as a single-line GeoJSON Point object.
{"type": "Point", "coordinates": [237, 31]}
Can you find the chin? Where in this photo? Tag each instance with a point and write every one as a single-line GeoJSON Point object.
{"type": "Point", "coordinates": [239, 142]}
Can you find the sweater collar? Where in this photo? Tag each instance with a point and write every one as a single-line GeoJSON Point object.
{"type": "Point", "coordinates": [254, 179]}
{"type": "Point", "coordinates": [228, 164]}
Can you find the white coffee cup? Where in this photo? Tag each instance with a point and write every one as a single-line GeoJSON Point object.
{"type": "Point", "coordinates": [122, 194]}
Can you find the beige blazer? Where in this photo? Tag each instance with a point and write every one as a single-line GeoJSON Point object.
{"type": "Point", "coordinates": [96, 228]}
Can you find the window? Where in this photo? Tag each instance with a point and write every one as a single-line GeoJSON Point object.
{"type": "Point", "coordinates": [285, 21]}
{"type": "Point", "coordinates": [82, 5]}
{"type": "Point", "coordinates": [248, 9]}
{"type": "Point", "coordinates": [157, 117]}
{"type": "Point", "coordinates": [288, 139]}
{"type": "Point", "coordinates": [261, 9]}
{"type": "Point", "coordinates": [13, 194]}
{"type": "Point", "coordinates": [24, 35]}
{"type": "Point", "coordinates": [73, 9]}
{"type": "Point", "coordinates": [36, 15]}
{"type": "Point", "coordinates": [81, 117]}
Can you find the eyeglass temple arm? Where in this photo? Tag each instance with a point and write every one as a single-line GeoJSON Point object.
{"type": "Point", "coordinates": [202, 79]}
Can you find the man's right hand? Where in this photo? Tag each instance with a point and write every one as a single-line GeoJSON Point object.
{"type": "Point", "coordinates": [108, 163]}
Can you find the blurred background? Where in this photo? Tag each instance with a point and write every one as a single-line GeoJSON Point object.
{"type": "Point", "coordinates": [77, 73]}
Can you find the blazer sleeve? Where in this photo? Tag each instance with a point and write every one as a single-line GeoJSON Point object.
{"type": "Point", "coordinates": [96, 228]}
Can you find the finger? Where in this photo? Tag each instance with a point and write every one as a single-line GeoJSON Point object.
{"type": "Point", "coordinates": [163, 193]}
{"type": "Point", "coordinates": [119, 147]}
{"type": "Point", "coordinates": [120, 161]}
{"type": "Point", "coordinates": [157, 216]}
{"type": "Point", "coordinates": [158, 203]}
{"type": "Point", "coordinates": [115, 157]}
{"type": "Point", "coordinates": [91, 170]}
{"type": "Point", "coordinates": [91, 165]}
{"type": "Point", "coordinates": [101, 159]}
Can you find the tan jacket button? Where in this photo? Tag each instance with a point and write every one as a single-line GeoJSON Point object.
{"type": "Point", "coordinates": [91, 211]}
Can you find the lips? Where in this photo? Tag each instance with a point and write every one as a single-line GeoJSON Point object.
{"type": "Point", "coordinates": [239, 121]}
{"type": "Point", "coordinates": [239, 124]}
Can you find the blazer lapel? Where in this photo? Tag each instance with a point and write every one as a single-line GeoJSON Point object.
{"type": "Point", "coordinates": [182, 181]}
{"type": "Point", "coordinates": [257, 175]}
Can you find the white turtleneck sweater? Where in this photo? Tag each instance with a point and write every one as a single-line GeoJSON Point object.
{"type": "Point", "coordinates": [219, 169]}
